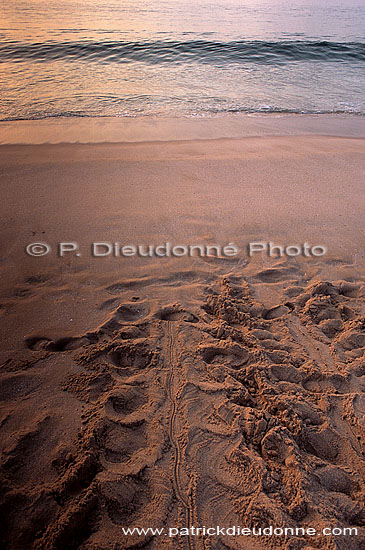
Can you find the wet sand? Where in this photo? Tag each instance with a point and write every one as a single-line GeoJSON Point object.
{"type": "Point", "coordinates": [192, 391]}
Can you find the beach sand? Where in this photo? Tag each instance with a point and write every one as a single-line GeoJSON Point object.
{"type": "Point", "coordinates": [182, 391]}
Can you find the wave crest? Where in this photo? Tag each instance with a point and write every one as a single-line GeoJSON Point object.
{"type": "Point", "coordinates": [210, 52]}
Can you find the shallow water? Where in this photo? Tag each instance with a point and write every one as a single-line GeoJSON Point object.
{"type": "Point", "coordinates": [168, 58]}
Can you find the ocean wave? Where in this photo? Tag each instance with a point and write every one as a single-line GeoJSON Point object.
{"type": "Point", "coordinates": [157, 52]}
{"type": "Point", "coordinates": [204, 113]}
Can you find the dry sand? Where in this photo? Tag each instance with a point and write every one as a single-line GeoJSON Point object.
{"type": "Point", "coordinates": [163, 392]}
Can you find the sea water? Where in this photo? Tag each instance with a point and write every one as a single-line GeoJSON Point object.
{"type": "Point", "coordinates": [194, 58]}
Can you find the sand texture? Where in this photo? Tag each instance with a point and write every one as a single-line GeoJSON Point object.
{"type": "Point", "coordinates": [168, 392]}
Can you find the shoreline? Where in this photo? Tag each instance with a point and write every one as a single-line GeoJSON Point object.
{"type": "Point", "coordinates": [306, 175]}
{"type": "Point", "coordinates": [288, 190]}
{"type": "Point", "coordinates": [153, 129]}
